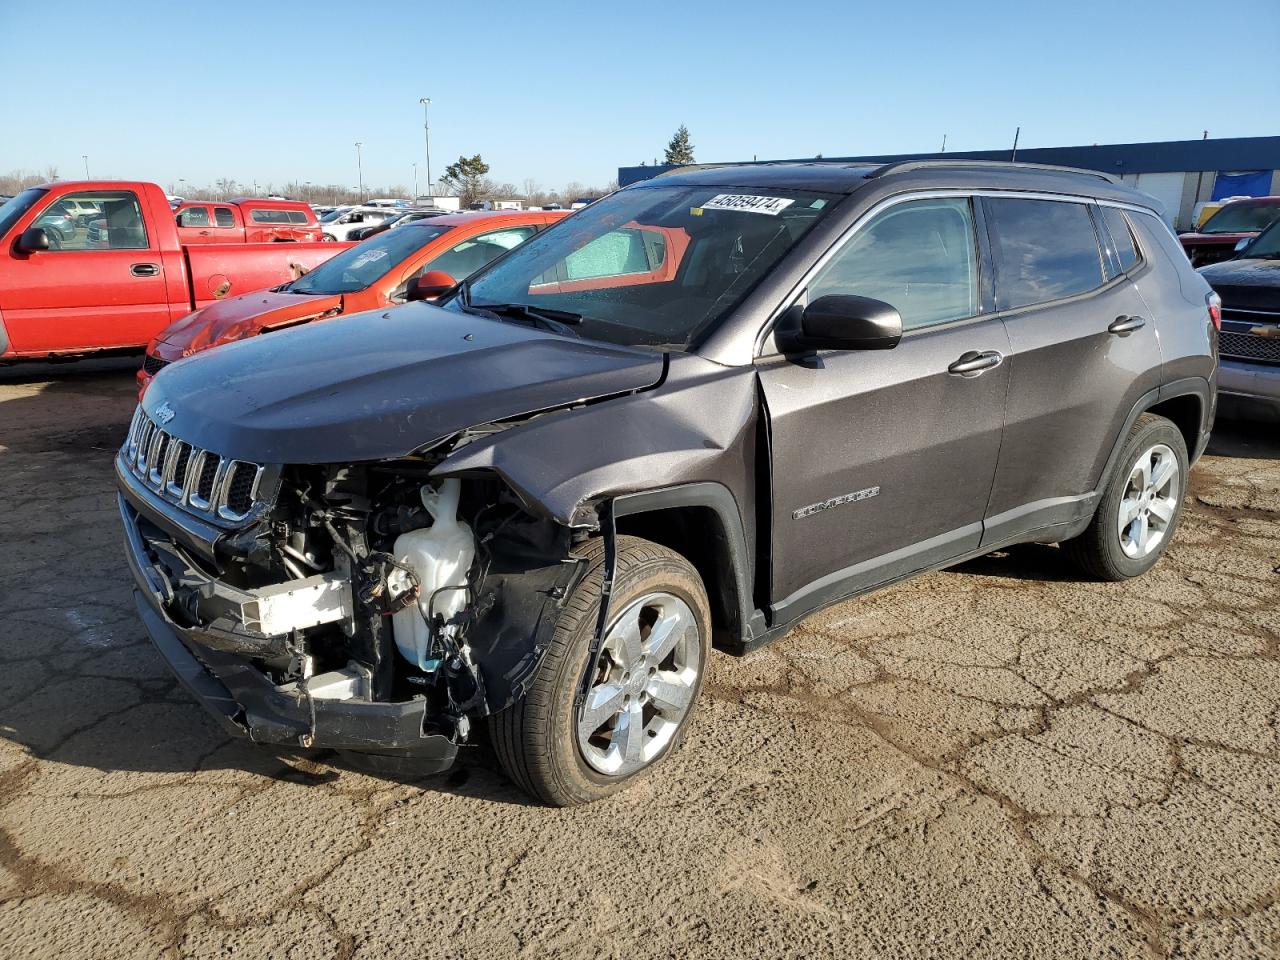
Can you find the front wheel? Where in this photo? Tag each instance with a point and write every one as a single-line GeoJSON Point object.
{"type": "Point", "coordinates": [1140, 506]}
{"type": "Point", "coordinates": [568, 749]}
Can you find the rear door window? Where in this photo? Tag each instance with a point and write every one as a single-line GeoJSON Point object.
{"type": "Point", "coordinates": [1043, 250]}
{"type": "Point", "coordinates": [918, 256]}
{"type": "Point", "coordinates": [223, 217]}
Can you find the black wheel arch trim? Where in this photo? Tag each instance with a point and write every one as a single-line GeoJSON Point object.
{"type": "Point", "coordinates": [1187, 386]}
{"type": "Point", "coordinates": [724, 506]}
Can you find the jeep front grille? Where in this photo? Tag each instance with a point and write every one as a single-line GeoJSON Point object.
{"type": "Point", "coordinates": [1247, 346]}
{"type": "Point", "coordinates": [199, 481]}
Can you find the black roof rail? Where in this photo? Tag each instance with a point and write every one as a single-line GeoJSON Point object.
{"type": "Point", "coordinates": [902, 166]}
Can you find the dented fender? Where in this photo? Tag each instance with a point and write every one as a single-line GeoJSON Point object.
{"type": "Point", "coordinates": [565, 463]}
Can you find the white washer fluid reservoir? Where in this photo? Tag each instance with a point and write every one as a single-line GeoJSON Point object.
{"type": "Point", "coordinates": [440, 555]}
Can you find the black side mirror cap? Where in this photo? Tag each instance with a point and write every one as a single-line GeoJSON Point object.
{"type": "Point", "coordinates": [33, 240]}
{"type": "Point", "coordinates": [843, 322]}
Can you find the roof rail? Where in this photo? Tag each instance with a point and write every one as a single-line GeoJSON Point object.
{"type": "Point", "coordinates": [902, 166]}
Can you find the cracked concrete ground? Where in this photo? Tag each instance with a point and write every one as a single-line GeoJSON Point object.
{"type": "Point", "coordinates": [997, 761]}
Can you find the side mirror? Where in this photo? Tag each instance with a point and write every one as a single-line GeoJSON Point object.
{"type": "Point", "coordinates": [843, 322]}
{"type": "Point", "coordinates": [429, 286]}
{"type": "Point", "coordinates": [1243, 243]}
{"type": "Point", "coordinates": [33, 240]}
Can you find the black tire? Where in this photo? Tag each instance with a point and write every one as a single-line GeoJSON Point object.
{"type": "Point", "coordinates": [535, 739]}
{"type": "Point", "coordinates": [1098, 551]}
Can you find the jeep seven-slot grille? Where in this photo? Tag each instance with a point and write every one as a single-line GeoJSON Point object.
{"type": "Point", "coordinates": [197, 480]}
{"type": "Point", "coordinates": [1246, 346]}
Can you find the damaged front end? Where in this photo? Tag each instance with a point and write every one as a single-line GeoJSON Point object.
{"type": "Point", "coordinates": [367, 607]}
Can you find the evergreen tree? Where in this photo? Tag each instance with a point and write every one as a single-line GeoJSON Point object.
{"type": "Point", "coordinates": [680, 150]}
{"type": "Point", "coordinates": [467, 179]}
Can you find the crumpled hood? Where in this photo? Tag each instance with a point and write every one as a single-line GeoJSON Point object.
{"type": "Point", "coordinates": [237, 318]}
{"type": "Point", "coordinates": [1248, 284]}
{"type": "Point", "coordinates": [381, 384]}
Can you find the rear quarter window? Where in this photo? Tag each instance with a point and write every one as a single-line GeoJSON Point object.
{"type": "Point", "coordinates": [1122, 241]}
{"type": "Point", "coordinates": [1043, 250]}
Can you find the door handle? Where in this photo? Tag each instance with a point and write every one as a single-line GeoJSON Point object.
{"type": "Point", "coordinates": [1123, 325]}
{"type": "Point", "coordinates": [974, 364]}
{"type": "Point", "coordinates": [204, 233]}
{"type": "Point", "coordinates": [144, 269]}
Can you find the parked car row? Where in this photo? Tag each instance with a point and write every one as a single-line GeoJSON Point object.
{"type": "Point", "coordinates": [696, 411]}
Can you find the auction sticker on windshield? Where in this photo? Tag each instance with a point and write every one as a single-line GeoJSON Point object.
{"type": "Point", "coordinates": [771, 206]}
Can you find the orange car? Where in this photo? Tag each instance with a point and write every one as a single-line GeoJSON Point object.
{"type": "Point", "coordinates": [418, 261]}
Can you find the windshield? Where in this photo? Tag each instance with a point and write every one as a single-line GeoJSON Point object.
{"type": "Point", "coordinates": [1266, 246]}
{"type": "Point", "coordinates": [654, 265]}
{"type": "Point", "coordinates": [333, 215]}
{"type": "Point", "coordinates": [1242, 218]}
{"type": "Point", "coordinates": [14, 208]}
{"type": "Point", "coordinates": [357, 267]}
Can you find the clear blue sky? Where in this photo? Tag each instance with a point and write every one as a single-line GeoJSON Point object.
{"type": "Point", "coordinates": [278, 91]}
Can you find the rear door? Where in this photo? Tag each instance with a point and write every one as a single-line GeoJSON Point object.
{"type": "Point", "coordinates": [226, 225]}
{"type": "Point", "coordinates": [102, 286]}
{"type": "Point", "coordinates": [883, 460]}
{"type": "Point", "coordinates": [1084, 351]}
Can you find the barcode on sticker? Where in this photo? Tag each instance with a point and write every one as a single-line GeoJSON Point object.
{"type": "Point", "coordinates": [772, 206]}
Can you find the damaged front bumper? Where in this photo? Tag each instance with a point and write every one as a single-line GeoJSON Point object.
{"type": "Point", "coordinates": [245, 701]}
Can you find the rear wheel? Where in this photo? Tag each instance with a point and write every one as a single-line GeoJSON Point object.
{"type": "Point", "coordinates": [641, 690]}
{"type": "Point", "coordinates": [1140, 506]}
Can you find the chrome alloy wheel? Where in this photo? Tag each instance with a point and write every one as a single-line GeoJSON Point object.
{"type": "Point", "coordinates": [642, 686]}
{"type": "Point", "coordinates": [1149, 502]}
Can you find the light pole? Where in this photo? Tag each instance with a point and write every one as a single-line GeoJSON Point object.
{"type": "Point", "coordinates": [85, 158]}
{"type": "Point", "coordinates": [306, 191]}
{"type": "Point", "coordinates": [426, 136]}
{"type": "Point", "coordinates": [360, 170]}
{"type": "Point", "coordinates": [415, 181]}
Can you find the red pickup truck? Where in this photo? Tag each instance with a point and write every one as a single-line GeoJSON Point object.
{"type": "Point", "coordinates": [247, 221]}
{"type": "Point", "coordinates": [79, 284]}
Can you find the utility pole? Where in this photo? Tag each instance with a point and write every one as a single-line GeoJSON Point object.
{"type": "Point", "coordinates": [426, 137]}
{"type": "Point", "coordinates": [360, 170]}
{"type": "Point", "coordinates": [85, 157]}
{"type": "Point", "coordinates": [1014, 155]}
{"type": "Point", "coordinates": [944, 143]}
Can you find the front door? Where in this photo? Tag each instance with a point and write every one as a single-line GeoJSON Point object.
{"type": "Point", "coordinates": [195, 226]}
{"type": "Point", "coordinates": [883, 460]}
{"type": "Point", "coordinates": [97, 287]}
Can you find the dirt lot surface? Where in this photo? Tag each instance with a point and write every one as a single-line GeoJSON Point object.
{"type": "Point", "coordinates": [997, 761]}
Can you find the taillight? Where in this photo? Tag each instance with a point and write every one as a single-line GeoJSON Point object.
{"type": "Point", "coordinates": [1215, 310]}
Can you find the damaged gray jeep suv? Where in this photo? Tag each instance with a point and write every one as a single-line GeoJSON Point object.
{"type": "Point", "coordinates": [689, 415]}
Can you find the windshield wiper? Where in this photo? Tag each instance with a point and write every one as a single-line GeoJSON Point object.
{"type": "Point", "coordinates": [557, 321]}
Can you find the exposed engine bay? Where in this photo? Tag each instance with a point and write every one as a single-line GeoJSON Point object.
{"type": "Point", "coordinates": [377, 583]}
